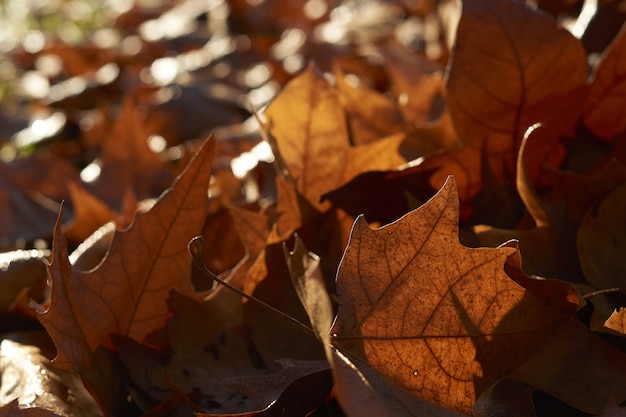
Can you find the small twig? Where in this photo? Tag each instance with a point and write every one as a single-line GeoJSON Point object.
{"type": "Point", "coordinates": [196, 249]}
{"type": "Point", "coordinates": [604, 291]}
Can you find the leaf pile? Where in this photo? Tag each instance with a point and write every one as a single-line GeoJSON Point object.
{"type": "Point", "coordinates": [320, 209]}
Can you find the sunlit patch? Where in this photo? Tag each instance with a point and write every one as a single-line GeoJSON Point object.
{"type": "Point", "coordinates": [243, 164]}
{"type": "Point", "coordinates": [8, 153]}
{"type": "Point", "coordinates": [79, 11]}
{"type": "Point", "coordinates": [579, 26]}
{"type": "Point", "coordinates": [117, 7]}
{"type": "Point", "coordinates": [49, 65]}
{"type": "Point", "coordinates": [131, 45]}
{"type": "Point", "coordinates": [174, 153]}
{"type": "Point", "coordinates": [314, 9]}
{"type": "Point", "coordinates": [40, 129]}
{"type": "Point", "coordinates": [106, 38]}
{"type": "Point", "coordinates": [290, 42]}
{"type": "Point", "coordinates": [330, 32]}
{"type": "Point", "coordinates": [164, 70]}
{"type": "Point", "coordinates": [294, 63]}
{"type": "Point", "coordinates": [151, 30]}
{"type": "Point", "coordinates": [257, 75]}
{"type": "Point", "coordinates": [352, 80]}
{"type": "Point", "coordinates": [7, 70]}
{"type": "Point", "coordinates": [70, 32]}
{"type": "Point", "coordinates": [33, 41]}
{"type": "Point", "coordinates": [70, 87]}
{"type": "Point", "coordinates": [35, 84]}
{"type": "Point", "coordinates": [105, 230]}
{"type": "Point", "coordinates": [107, 73]}
{"type": "Point", "coordinates": [157, 143]}
{"type": "Point", "coordinates": [91, 172]}
{"type": "Point", "coordinates": [247, 161]}
{"type": "Point", "coordinates": [263, 94]}
{"type": "Point", "coordinates": [6, 258]}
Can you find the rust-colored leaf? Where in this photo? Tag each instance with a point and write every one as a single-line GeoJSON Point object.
{"type": "Point", "coordinates": [604, 115]}
{"type": "Point", "coordinates": [601, 243]}
{"type": "Point", "coordinates": [439, 319]}
{"type": "Point", "coordinates": [308, 124]}
{"type": "Point", "coordinates": [371, 115]}
{"type": "Point", "coordinates": [126, 294]}
{"type": "Point", "coordinates": [512, 67]}
{"type": "Point", "coordinates": [617, 321]}
{"type": "Point", "coordinates": [89, 214]}
{"type": "Point", "coordinates": [127, 160]}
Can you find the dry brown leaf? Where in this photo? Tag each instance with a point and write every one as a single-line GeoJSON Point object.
{"type": "Point", "coordinates": [371, 115]}
{"type": "Point", "coordinates": [600, 241]}
{"type": "Point", "coordinates": [253, 231]}
{"type": "Point", "coordinates": [511, 67]}
{"type": "Point", "coordinates": [352, 389]}
{"type": "Point", "coordinates": [308, 125]}
{"type": "Point", "coordinates": [127, 160]}
{"type": "Point", "coordinates": [417, 85]}
{"type": "Point", "coordinates": [604, 113]}
{"type": "Point", "coordinates": [439, 319]}
{"type": "Point", "coordinates": [22, 272]}
{"type": "Point", "coordinates": [126, 294]}
{"type": "Point", "coordinates": [89, 214]}
{"type": "Point", "coordinates": [592, 386]}
{"type": "Point", "coordinates": [617, 321]}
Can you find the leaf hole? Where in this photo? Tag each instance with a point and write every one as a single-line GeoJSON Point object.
{"type": "Point", "coordinates": [415, 373]}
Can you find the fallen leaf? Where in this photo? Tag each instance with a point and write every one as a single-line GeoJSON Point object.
{"type": "Point", "coordinates": [28, 378]}
{"type": "Point", "coordinates": [511, 67]}
{"type": "Point", "coordinates": [439, 319]}
{"type": "Point", "coordinates": [126, 294]}
{"type": "Point", "coordinates": [603, 115]}
{"type": "Point", "coordinates": [89, 214]}
{"type": "Point", "coordinates": [417, 85]}
{"type": "Point", "coordinates": [307, 123]}
{"type": "Point", "coordinates": [590, 387]}
{"type": "Point", "coordinates": [22, 271]}
{"type": "Point", "coordinates": [353, 392]}
{"type": "Point", "coordinates": [300, 397]}
{"type": "Point", "coordinates": [127, 160]}
{"type": "Point", "coordinates": [600, 241]}
{"type": "Point", "coordinates": [617, 322]}
{"type": "Point", "coordinates": [371, 115]}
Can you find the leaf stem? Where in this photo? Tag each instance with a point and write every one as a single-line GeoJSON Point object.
{"type": "Point", "coordinates": [603, 291]}
{"type": "Point", "coordinates": [196, 249]}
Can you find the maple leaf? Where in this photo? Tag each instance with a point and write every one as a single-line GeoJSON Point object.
{"type": "Point", "coordinates": [603, 115]}
{"type": "Point", "coordinates": [600, 241]}
{"type": "Point", "coordinates": [511, 67]}
{"type": "Point", "coordinates": [371, 115]}
{"type": "Point", "coordinates": [439, 319]}
{"type": "Point", "coordinates": [127, 160]}
{"type": "Point", "coordinates": [126, 293]}
{"type": "Point", "coordinates": [308, 125]}
{"type": "Point", "coordinates": [89, 213]}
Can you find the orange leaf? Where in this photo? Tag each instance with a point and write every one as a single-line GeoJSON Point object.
{"type": "Point", "coordinates": [441, 320]}
{"type": "Point", "coordinates": [127, 293]}
{"type": "Point", "coordinates": [604, 115]}
{"type": "Point", "coordinates": [600, 241]}
{"type": "Point", "coordinates": [89, 213]}
{"type": "Point", "coordinates": [512, 67]}
{"type": "Point", "coordinates": [308, 125]}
